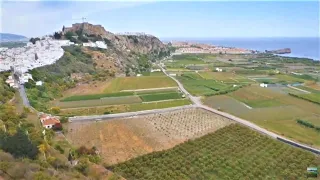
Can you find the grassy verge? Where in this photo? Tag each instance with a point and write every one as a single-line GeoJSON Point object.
{"type": "Point", "coordinates": [112, 109]}
{"type": "Point", "coordinates": [158, 105]}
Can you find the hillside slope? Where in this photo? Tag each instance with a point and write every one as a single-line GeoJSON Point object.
{"type": "Point", "coordinates": [130, 53]}
{"type": "Point", "coordinates": [6, 37]}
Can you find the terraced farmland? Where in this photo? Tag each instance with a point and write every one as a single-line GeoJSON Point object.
{"type": "Point", "coordinates": [233, 152]}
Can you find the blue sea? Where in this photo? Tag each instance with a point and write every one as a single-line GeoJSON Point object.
{"type": "Point", "coordinates": [300, 47]}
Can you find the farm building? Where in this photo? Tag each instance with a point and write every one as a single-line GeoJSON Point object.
{"type": "Point", "coordinates": [138, 75]}
{"type": "Point", "coordinates": [11, 82]}
{"type": "Point", "coordinates": [218, 69]}
{"type": "Point", "coordinates": [172, 74]}
{"type": "Point", "coordinates": [25, 78]}
{"type": "Point", "coordinates": [263, 85]}
{"type": "Point", "coordinates": [39, 83]}
{"type": "Point", "coordinates": [155, 70]}
{"type": "Point", "coordinates": [49, 121]}
{"type": "Point", "coordinates": [98, 44]}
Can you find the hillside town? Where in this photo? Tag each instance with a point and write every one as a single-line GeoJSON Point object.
{"type": "Point", "coordinates": [189, 47]}
{"type": "Point", "coordinates": [43, 52]}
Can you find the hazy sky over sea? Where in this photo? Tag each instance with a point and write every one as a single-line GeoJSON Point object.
{"type": "Point", "coordinates": [167, 19]}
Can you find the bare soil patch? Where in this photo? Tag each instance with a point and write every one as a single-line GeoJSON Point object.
{"type": "Point", "coordinates": [121, 139]}
{"type": "Point", "coordinates": [93, 87]}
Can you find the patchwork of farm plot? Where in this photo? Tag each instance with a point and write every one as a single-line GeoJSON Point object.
{"type": "Point", "coordinates": [121, 139]}
{"type": "Point", "coordinates": [272, 110]}
{"type": "Point", "coordinates": [125, 94]}
{"type": "Point", "coordinates": [197, 85]}
{"type": "Point", "coordinates": [232, 152]}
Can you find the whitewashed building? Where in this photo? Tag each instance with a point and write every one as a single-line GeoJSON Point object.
{"type": "Point", "coordinates": [263, 85]}
{"type": "Point", "coordinates": [39, 83]}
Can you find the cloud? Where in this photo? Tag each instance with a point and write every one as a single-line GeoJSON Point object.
{"type": "Point", "coordinates": [37, 18]}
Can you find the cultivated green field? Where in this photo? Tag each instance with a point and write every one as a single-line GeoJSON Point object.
{"type": "Point", "coordinates": [160, 96]}
{"type": "Point", "coordinates": [312, 97]}
{"type": "Point", "coordinates": [100, 102]}
{"type": "Point", "coordinates": [196, 85]}
{"type": "Point", "coordinates": [257, 97]}
{"type": "Point", "coordinates": [96, 96]}
{"type": "Point", "coordinates": [111, 109]}
{"type": "Point", "coordinates": [144, 82]}
{"type": "Point", "coordinates": [233, 152]}
{"type": "Point", "coordinates": [226, 77]}
{"type": "Point", "coordinates": [272, 110]}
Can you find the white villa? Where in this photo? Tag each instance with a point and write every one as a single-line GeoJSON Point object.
{"type": "Point", "coordinates": [98, 44]}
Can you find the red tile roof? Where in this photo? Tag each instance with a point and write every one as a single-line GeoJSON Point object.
{"type": "Point", "coordinates": [50, 121]}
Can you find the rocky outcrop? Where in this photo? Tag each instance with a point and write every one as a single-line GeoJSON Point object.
{"type": "Point", "coordinates": [280, 51]}
{"type": "Point", "coordinates": [123, 50]}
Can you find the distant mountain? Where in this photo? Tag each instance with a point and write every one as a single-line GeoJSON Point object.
{"type": "Point", "coordinates": [7, 37]}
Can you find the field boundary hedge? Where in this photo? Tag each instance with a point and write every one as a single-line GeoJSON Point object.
{"type": "Point", "coordinates": [301, 97]}
{"type": "Point", "coordinates": [160, 96]}
{"type": "Point", "coordinates": [96, 96]}
{"type": "Point", "coordinates": [308, 124]}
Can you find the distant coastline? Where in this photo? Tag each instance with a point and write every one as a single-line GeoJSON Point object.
{"type": "Point", "coordinates": [300, 47]}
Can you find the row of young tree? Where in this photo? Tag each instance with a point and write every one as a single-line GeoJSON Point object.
{"type": "Point", "coordinates": [308, 124]}
{"type": "Point", "coordinates": [233, 152]}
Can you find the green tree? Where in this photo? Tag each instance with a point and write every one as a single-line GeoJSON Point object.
{"type": "Point", "coordinates": [19, 145]}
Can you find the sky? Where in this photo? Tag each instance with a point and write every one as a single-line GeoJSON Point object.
{"type": "Point", "coordinates": [166, 19]}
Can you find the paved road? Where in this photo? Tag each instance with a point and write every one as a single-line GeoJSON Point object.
{"type": "Point", "coordinates": [24, 97]}
{"type": "Point", "coordinates": [126, 114]}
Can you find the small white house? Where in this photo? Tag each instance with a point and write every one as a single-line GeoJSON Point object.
{"type": "Point", "coordinates": [218, 69]}
{"type": "Point", "coordinates": [101, 44]}
{"type": "Point", "coordinates": [234, 85]}
{"type": "Point", "coordinates": [48, 121]}
{"type": "Point", "coordinates": [39, 83]}
{"type": "Point", "coordinates": [155, 70]}
{"type": "Point", "coordinates": [263, 85]}
{"type": "Point", "coordinates": [172, 74]}
{"type": "Point", "coordinates": [25, 78]}
{"type": "Point", "coordinates": [138, 75]}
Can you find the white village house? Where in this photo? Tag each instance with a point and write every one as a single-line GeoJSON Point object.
{"type": "Point", "coordinates": [98, 44]}
{"type": "Point", "coordinates": [25, 78]}
{"type": "Point", "coordinates": [263, 85]}
{"type": "Point", "coordinates": [39, 83]}
{"type": "Point", "coordinates": [155, 70]}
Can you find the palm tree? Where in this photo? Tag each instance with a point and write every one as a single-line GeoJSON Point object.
{"type": "Point", "coordinates": [43, 148]}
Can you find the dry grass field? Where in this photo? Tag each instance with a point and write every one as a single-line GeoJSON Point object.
{"type": "Point", "coordinates": [122, 139]}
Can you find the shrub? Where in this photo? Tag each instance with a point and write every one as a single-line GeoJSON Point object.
{"type": "Point", "coordinates": [59, 148]}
